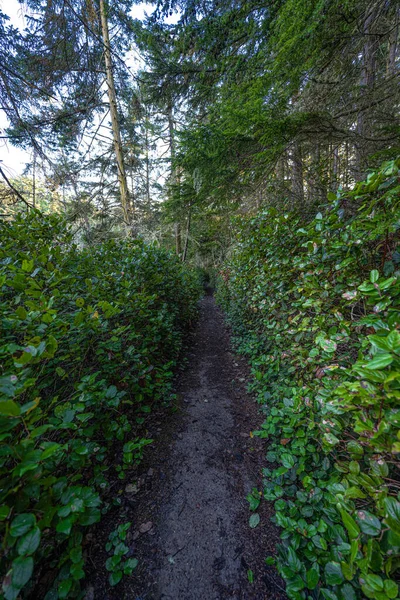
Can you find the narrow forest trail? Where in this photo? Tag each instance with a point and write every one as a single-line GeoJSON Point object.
{"type": "Point", "coordinates": [200, 545]}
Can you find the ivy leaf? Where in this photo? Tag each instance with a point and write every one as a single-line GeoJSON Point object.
{"type": "Point", "coordinates": [64, 588]}
{"type": "Point", "coordinates": [293, 560]}
{"type": "Point", "coordinates": [348, 592]}
{"type": "Point", "coordinates": [391, 588]}
{"type": "Point", "coordinates": [328, 594]}
{"type": "Point", "coordinates": [369, 524]}
{"type": "Point", "coordinates": [22, 524]}
{"type": "Point", "coordinates": [50, 450]}
{"type": "Point", "coordinates": [350, 524]}
{"type": "Point", "coordinates": [11, 592]}
{"type": "Point", "coordinates": [373, 582]}
{"type": "Point", "coordinates": [331, 439]}
{"type": "Point", "coordinates": [333, 573]}
{"type": "Point", "coordinates": [254, 501]}
{"type": "Point", "coordinates": [28, 543]}
{"type": "Point", "coordinates": [254, 520]}
{"type": "Point", "coordinates": [393, 340]}
{"type": "Point", "coordinates": [287, 461]}
{"type": "Point", "coordinates": [130, 565]}
{"type": "Point", "coordinates": [22, 569]}
{"type": "Point", "coordinates": [392, 507]}
{"type": "Point", "coordinates": [379, 362]}
{"type": "Point", "coordinates": [328, 346]}
{"type": "Point", "coordinates": [27, 265]}
{"type": "Point", "coordinates": [121, 549]}
{"type": "Point", "coordinates": [115, 577]}
{"type": "Point", "coordinates": [64, 526]}
{"type": "Point", "coordinates": [374, 276]}
{"type": "Point", "coordinates": [9, 408]}
{"type": "Point", "coordinates": [21, 313]}
{"type": "Point", "coordinates": [294, 585]}
{"type": "Point", "coordinates": [312, 577]}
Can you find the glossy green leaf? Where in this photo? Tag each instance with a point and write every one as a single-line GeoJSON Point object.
{"type": "Point", "coordinates": [392, 518]}
{"type": "Point", "coordinates": [9, 408]}
{"type": "Point", "coordinates": [368, 523]}
{"type": "Point", "coordinates": [254, 520]}
{"type": "Point", "coordinates": [22, 524]}
{"type": "Point", "coordinates": [115, 577]}
{"type": "Point", "coordinates": [350, 524]}
{"type": "Point", "coordinates": [29, 543]}
{"type": "Point", "coordinates": [312, 577]}
{"type": "Point", "coordinates": [22, 569]}
{"type": "Point", "coordinates": [379, 361]}
{"type": "Point", "coordinates": [333, 573]}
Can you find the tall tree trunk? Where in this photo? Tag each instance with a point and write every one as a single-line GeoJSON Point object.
{"type": "Point", "coordinates": [178, 238]}
{"type": "Point", "coordinates": [174, 177]}
{"type": "Point", "coordinates": [34, 179]}
{"type": "Point", "coordinates": [335, 169]}
{"type": "Point", "coordinates": [187, 236]}
{"type": "Point", "coordinates": [148, 202]}
{"type": "Point", "coordinates": [123, 185]}
{"type": "Point", "coordinates": [393, 47]}
{"type": "Point", "coordinates": [297, 174]}
{"type": "Point", "coordinates": [317, 189]}
{"type": "Point", "coordinates": [367, 80]}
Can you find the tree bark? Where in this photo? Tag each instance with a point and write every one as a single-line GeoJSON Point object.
{"type": "Point", "coordinates": [335, 169]}
{"type": "Point", "coordinates": [34, 179]}
{"type": "Point", "coordinates": [174, 178]}
{"type": "Point", "coordinates": [367, 80]}
{"type": "Point", "coordinates": [148, 200]}
{"type": "Point", "coordinates": [297, 174]}
{"type": "Point", "coordinates": [393, 48]}
{"type": "Point", "coordinates": [123, 185]}
{"type": "Point", "coordinates": [178, 238]}
{"type": "Point", "coordinates": [187, 236]}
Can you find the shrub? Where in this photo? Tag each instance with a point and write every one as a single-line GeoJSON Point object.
{"type": "Point", "coordinates": [89, 341]}
{"type": "Point", "coordinates": [316, 308]}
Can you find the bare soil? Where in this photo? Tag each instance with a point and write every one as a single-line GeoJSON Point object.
{"type": "Point", "coordinates": [188, 504]}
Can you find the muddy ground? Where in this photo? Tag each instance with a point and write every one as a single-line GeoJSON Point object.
{"type": "Point", "coordinates": [190, 518]}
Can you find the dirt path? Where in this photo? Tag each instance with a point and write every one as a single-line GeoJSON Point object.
{"type": "Point", "coordinates": [200, 546]}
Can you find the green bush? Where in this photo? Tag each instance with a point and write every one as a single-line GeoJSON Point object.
{"type": "Point", "coordinates": [89, 340]}
{"type": "Point", "coordinates": [316, 308]}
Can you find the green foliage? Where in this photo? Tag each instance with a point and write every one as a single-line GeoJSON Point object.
{"type": "Point", "coordinates": [117, 564]}
{"type": "Point", "coordinates": [90, 338]}
{"type": "Point", "coordinates": [316, 308]}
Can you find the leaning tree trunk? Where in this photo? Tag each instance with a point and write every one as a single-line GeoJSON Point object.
{"type": "Point", "coordinates": [123, 185]}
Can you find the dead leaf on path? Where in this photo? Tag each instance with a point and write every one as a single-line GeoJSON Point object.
{"type": "Point", "coordinates": [145, 527]}
{"type": "Point", "coordinates": [285, 441]}
{"type": "Point", "coordinates": [131, 488]}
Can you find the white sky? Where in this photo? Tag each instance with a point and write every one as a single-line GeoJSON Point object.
{"type": "Point", "coordinates": [12, 159]}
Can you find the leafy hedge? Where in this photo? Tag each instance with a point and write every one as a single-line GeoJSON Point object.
{"type": "Point", "coordinates": [316, 308]}
{"type": "Point", "coordinates": [89, 341]}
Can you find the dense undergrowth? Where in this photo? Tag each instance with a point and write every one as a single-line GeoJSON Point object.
{"type": "Point", "coordinates": [316, 308]}
{"type": "Point", "coordinates": [89, 338]}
